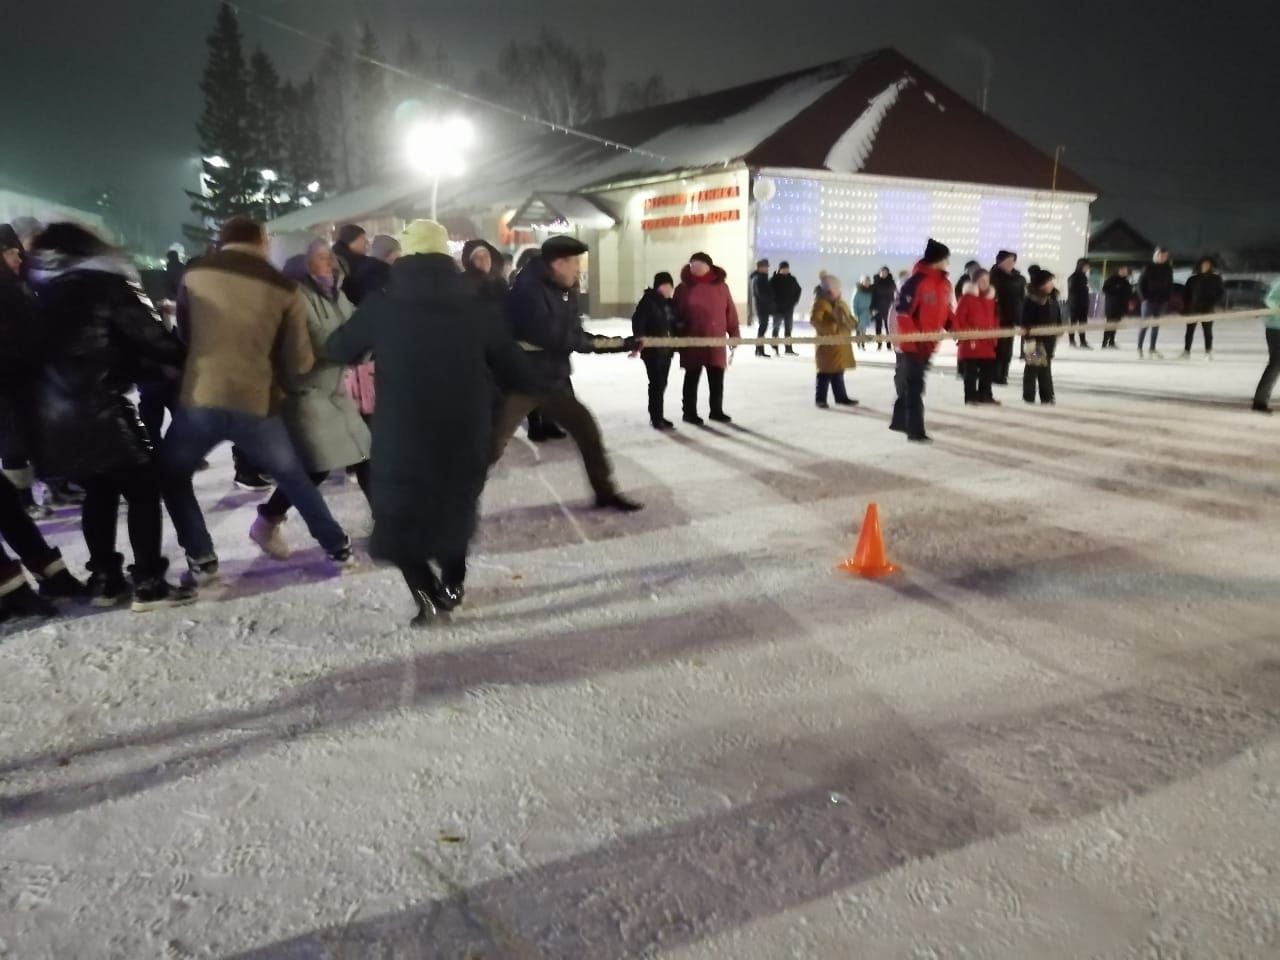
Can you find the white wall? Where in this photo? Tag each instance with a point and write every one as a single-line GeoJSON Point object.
{"type": "Point", "coordinates": [851, 225]}
{"type": "Point", "coordinates": [627, 257]}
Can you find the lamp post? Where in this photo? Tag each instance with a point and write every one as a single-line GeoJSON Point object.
{"type": "Point", "coordinates": [436, 148]}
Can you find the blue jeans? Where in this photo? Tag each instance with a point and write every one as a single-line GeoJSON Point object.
{"type": "Point", "coordinates": [1153, 310]}
{"type": "Point", "coordinates": [197, 430]}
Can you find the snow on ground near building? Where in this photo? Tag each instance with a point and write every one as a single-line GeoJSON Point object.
{"type": "Point", "coordinates": [683, 733]}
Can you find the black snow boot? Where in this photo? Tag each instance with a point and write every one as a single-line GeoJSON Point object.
{"type": "Point", "coordinates": [18, 600]}
{"type": "Point", "coordinates": [108, 586]}
{"type": "Point", "coordinates": [619, 502]}
{"type": "Point", "coordinates": [57, 582]}
{"type": "Point", "coordinates": [153, 593]}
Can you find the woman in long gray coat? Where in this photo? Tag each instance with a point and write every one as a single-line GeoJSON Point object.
{"type": "Point", "coordinates": [322, 418]}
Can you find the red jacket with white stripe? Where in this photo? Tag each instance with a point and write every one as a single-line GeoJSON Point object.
{"type": "Point", "coordinates": [924, 306]}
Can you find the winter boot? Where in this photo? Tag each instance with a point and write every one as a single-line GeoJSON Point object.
{"type": "Point", "coordinates": [252, 481]}
{"type": "Point", "coordinates": [57, 583]}
{"type": "Point", "coordinates": [200, 571]}
{"type": "Point", "coordinates": [426, 589]}
{"type": "Point", "coordinates": [266, 532]}
{"type": "Point", "coordinates": [344, 556]}
{"type": "Point", "coordinates": [18, 600]}
{"type": "Point", "coordinates": [152, 593]}
{"type": "Point", "coordinates": [108, 586]}
{"type": "Point", "coordinates": [63, 493]}
{"type": "Point", "coordinates": [619, 502]}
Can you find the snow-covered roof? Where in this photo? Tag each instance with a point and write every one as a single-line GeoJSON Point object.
{"type": "Point", "coordinates": [877, 114]}
{"type": "Point", "coordinates": [347, 207]}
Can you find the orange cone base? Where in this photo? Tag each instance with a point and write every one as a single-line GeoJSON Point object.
{"type": "Point", "coordinates": [869, 573]}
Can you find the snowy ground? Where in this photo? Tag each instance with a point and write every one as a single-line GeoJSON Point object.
{"type": "Point", "coordinates": [683, 733]}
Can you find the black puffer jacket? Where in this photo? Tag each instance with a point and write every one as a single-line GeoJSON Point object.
{"type": "Point", "coordinates": [1204, 293]}
{"type": "Point", "coordinates": [884, 291]}
{"type": "Point", "coordinates": [762, 295]}
{"type": "Point", "coordinates": [1011, 294]}
{"type": "Point", "coordinates": [655, 316]}
{"type": "Point", "coordinates": [546, 320]}
{"type": "Point", "coordinates": [1117, 292]}
{"type": "Point", "coordinates": [100, 336]}
{"type": "Point", "coordinates": [1078, 295]}
{"type": "Point", "coordinates": [786, 292]}
{"type": "Point", "coordinates": [1156, 284]}
{"type": "Point", "coordinates": [1042, 313]}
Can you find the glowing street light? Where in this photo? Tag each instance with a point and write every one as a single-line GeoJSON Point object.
{"type": "Point", "coordinates": [269, 176]}
{"type": "Point", "coordinates": [313, 186]}
{"type": "Point", "coordinates": [217, 161]}
{"type": "Point", "coordinates": [436, 148]}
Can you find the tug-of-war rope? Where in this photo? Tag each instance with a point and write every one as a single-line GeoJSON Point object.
{"type": "Point", "coordinates": [1133, 323]}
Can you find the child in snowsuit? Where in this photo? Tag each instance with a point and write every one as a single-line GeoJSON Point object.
{"type": "Point", "coordinates": [1041, 310]}
{"type": "Point", "coordinates": [977, 358]}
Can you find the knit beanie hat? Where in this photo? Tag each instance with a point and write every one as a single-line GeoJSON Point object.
{"type": "Point", "coordinates": [424, 236]}
{"type": "Point", "coordinates": [660, 278]}
{"type": "Point", "coordinates": [935, 252]}
{"type": "Point", "coordinates": [383, 246]}
{"type": "Point", "coordinates": [702, 258]}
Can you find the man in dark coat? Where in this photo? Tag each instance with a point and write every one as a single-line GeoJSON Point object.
{"type": "Point", "coordinates": [1011, 297]}
{"type": "Point", "coordinates": [439, 355]}
{"type": "Point", "coordinates": [18, 331]}
{"type": "Point", "coordinates": [655, 317]}
{"type": "Point", "coordinates": [762, 299]}
{"type": "Point", "coordinates": [1156, 287]}
{"type": "Point", "coordinates": [544, 316]}
{"type": "Point", "coordinates": [884, 290]}
{"type": "Point", "coordinates": [1078, 295]}
{"type": "Point", "coordinates": [786, 297]}
{"type": "Point", "coordinates": [1116, 293]}
{"type": "Point", "coordinates": [357, 276]}
{"type": "Point", "coordinates": [1204, 293]}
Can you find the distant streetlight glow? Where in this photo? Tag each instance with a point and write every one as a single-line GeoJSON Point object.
{"type": "Point", "coordinates": [270, 176]}
{"type": "Point", "coordinates": [217, 161]}
{"type": "Point", "coordinates": [313, 186]}
{"type": "Point", "coordinates": [436, 148]}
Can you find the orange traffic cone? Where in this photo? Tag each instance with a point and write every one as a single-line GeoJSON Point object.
{"type": "Point", "coordinates": [869, 559]}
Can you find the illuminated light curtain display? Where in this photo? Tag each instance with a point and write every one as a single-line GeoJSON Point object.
{"type": "Point", "coordinates": [831, 218]}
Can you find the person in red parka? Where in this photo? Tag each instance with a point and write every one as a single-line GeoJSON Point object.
{"type": "Point", "coordinates": [977, 358]}
{"type": "Point", "coordinates": [924, 306]}
{"type": "Point", "coordinates": [705, 308]}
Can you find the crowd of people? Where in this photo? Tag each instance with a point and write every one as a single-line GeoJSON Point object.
{"type": "Point", "coordinates": [409, 369]}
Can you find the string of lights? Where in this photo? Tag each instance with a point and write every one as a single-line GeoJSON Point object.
{"type": "Point", "coordinates": [521, 115]}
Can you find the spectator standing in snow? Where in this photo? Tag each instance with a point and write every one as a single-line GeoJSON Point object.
{"type": "Point", "coordinates": [1011, 294]}
{"type": "Point", "coordinates": [100, 337]}
{"type": "Point", "coordinates": [357, 276]}
{"type": "Point", "coordinates": [1078, 300]}
{"type": "Point", "coordinates": [1204, 294]}
{"type": "Point", "coordinates": [862, 309]}
{"type": "Point", "coordinates": [544, 315]}
{"type": "Point", "coordinates": [654, 318]}
{"type": "Point", "coordinates": [977, 358]}
{"type": "Point", "coordinates": [1156, 287]}
{"type": "Point", "coordinates": [482, 271]}
{"type": "Point", "coordinates": [924, 306]}
{"type": "Point", "coordinates": [970, 271]}
{"type": "Point", "coordinates": [762, 299]}
{"type": "Point", "coordinates": [248, 334]}
{"type": "Point", "coordinates": [441, 352]}
{"type": "Point", "coordinates": [1116, 294]}
{"type": "Point", "coordinates": [831, 317]}
{"type": "Point", "coordinates": [705, 308]}
{"type": "Point", "coordinates": [883, 292]}
{"type": "Point", "coordinates": [786, 297]}
{"type": "Point", "coordinates": [1040, 310]}
{"type": "Point", "coordinates": [1262, 397]}
{"type": "Point", "coordinates": [322, 419]}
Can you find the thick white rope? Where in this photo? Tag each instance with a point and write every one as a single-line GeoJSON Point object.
{"type": "Point", "coordinates": [1134, 323]}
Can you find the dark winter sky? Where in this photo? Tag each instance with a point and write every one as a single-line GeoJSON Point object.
{"type": "Point", "coordinates": [1168, 106]}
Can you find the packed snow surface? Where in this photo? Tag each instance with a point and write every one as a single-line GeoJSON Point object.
{"type": "Point", "coordinates": [683, 733]}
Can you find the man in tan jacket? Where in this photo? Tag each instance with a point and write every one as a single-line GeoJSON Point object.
{"type": "Point", "coordinates": [245, 325]}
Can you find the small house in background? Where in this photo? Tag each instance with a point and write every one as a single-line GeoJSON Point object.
{"type": "Point", "coordinates": [846, 167]}
{"type": "Point", "coordinates": [1117, 243]}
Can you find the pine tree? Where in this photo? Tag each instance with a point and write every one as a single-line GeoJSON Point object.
{"type": "Point", "coordinates": [306, 154]}
{"type": "Point", "coordinates": [226, 148]}
{"type": "Point", "coordinates": [334, 85]}
{"type": "Point", "coordinates": [264, 122]}
{"type": "Point", "coordinates": [368, 126]}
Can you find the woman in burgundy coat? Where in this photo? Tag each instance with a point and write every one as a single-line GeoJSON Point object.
{"type": "Point", "coordinates": [705, 307]}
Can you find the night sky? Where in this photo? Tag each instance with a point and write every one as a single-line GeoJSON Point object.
{"type": "Point", "coordinates": [1168, 106]}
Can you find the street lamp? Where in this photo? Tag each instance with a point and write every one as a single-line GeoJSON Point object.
{"type": "Point", "coordinates": [270, 176]}
{"type": "Point", "coordinates": [313, 186]}
{"type": "Point", "coordinates": [217, 161]}
{"type": "Point", "coordinates": [436, 148]}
